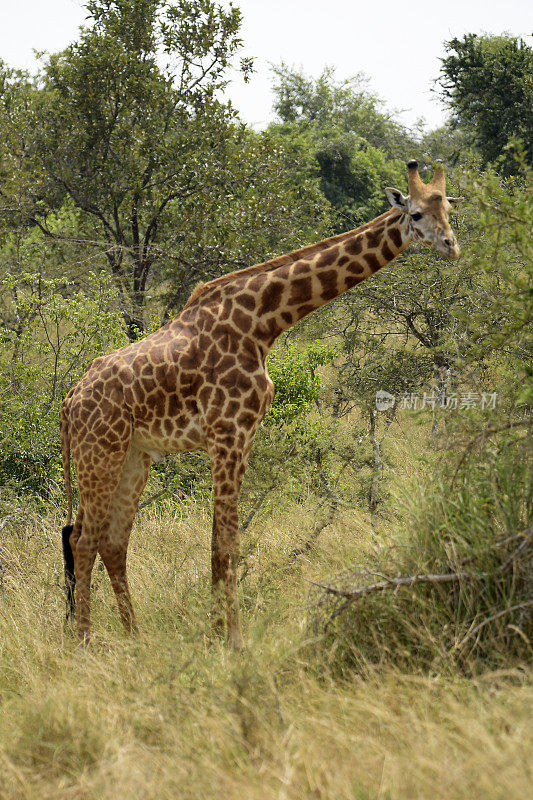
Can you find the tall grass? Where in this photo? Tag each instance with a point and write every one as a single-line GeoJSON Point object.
{"type": "Point", "coordinates": [174, 714]}
{"type": "Point", "coordinates": [473, 528]}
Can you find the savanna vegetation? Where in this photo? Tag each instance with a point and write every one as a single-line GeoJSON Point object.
{"type": "Point", "coordinates": [386, 576]}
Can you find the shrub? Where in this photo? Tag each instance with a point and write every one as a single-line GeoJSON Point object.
{"type": "Point", "coordinates": [58, 330]}
{"type": "Point", "coordinates": [453, 585]}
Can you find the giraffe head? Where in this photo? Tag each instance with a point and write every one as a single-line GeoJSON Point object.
{"type": "Point", "coordinates": [427, 209]}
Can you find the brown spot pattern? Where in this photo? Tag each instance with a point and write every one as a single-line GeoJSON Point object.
{"type": "Point", "coordinates": [373, 261]}
{"type": "Point", "coordinates": [396, 236]}
{"type": "Point", "coordinates": [386, 252]}
{"type": "Point", "coordinates": [271, 297]}
{"type": "Point", "coordinates": [355, 246]}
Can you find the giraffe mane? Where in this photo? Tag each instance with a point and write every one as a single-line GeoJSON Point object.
{"type": "Point", "coordinates": [197, 291]}
{"type": "Point", "coordinates": [279, 261]}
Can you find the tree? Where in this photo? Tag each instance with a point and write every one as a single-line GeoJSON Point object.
{"type": "Point", "coordinates": [487, 82]}
{"type": "Point", "coordinates": [121, 148]}
{"type": "Point", "coordinates": [345, 139]}
{"type": "Point", "coordinates": [120, 125]}
{"type": "Point", "coordinates": [449, 144]}
{"type": "Point", "coordinates": [346, 105]}
{"type": "Point", "coordinates": [500, 256]}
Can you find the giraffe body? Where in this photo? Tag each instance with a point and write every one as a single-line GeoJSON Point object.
{"type": "Point", "coordinates": [201, 382]}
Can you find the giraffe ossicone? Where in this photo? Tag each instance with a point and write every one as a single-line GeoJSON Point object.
{"type": "Point", "coordinates": [201, 382]}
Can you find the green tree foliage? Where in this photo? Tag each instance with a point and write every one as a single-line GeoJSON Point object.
{"type": "Point", "coordinates": [500, 257]}
{"type": "Point", "coordinates": [121, 124]}
{"type": "Point", "coordinates": [487, 82]}
{"type": "Point", "coordinates": [345, 104]}
{"type": "Point", "coordinates": [51, 330]}
{"type": "Point", "coordinates": [353, 146]}
{"type": "Point", "coordinates": [258, 211]}
{"type": "Point", "coordinates": [296, 382]}
{"type": "Point", "coordinates": [449, 144]}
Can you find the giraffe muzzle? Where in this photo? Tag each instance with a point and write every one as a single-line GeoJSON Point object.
{"type": "Point", "coordinates": [453, 251]}
{"type": "Point", "coordinates": [449, 248]}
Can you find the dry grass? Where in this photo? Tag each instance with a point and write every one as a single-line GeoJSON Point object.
{"type": "Point", "coordinates": [175, 715]}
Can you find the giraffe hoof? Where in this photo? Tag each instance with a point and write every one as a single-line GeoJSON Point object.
{"type": "Point", "coordinates": [84, 639]}
{"type": "Point", "coordinates": [235, 641]}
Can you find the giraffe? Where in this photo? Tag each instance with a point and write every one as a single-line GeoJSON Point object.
{"type": "Point", "coordinates": [201, 382]}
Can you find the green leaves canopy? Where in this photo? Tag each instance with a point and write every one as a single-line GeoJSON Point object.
{"type": "Point", "coordinates": [347, 140]}
{"type": "Point", "coordinates": [487, 81]}
{"type": "Point", "coordinates": [120, 124]}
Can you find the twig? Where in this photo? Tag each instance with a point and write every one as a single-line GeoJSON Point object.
{"type": "Point", "coordinates": [299, 551]}
{"type": "Point", "coordinates": [527, 533]}
{"type": "Point", "coordinates": [335, 502]}
{"type": "Point", "coordinates": [350, 595]}
{"type": "Point", "coordinates": [405, 580]}
{"type": "Point", "coordinates": [487, 432]}
{"type": "Point", "coordinates": [153, 497]}
{"type": "Point", "coordinates": [526, 541]}
{"type": "Point", "coordinates": [486, 621]}
{"type": "Point", "coordinates": [262, 497]}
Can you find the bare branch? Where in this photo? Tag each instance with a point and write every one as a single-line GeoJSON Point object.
{"type": "Point", "coordinates": [498, 615]}
{"type": "Point", "coordinates": [350, 595]}
{"type": "Point", "coordinates": [167, 488]}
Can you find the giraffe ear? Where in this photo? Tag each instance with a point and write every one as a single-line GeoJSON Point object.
{"type": "Point", "coordinates": [396, 198]}
{"type": "Point", "coordinates": [455, 201]}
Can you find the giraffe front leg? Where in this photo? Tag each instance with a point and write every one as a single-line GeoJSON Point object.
{"type": "Point", "coordinates": [225, 559]}
{"type": "Point", "coordinates": [229, 455]}
{"type": "Point", "coordinates": [216, 583]}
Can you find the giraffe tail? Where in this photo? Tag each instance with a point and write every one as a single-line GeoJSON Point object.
{"type": "Point", "coordinates": [68, 556]}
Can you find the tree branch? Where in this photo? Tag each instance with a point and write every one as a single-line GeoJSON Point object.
{"type": "Point", "coordinates": [498, 615]}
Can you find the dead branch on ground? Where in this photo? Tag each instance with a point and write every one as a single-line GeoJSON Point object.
{"type": "Point", "coordinates": [351, 595]}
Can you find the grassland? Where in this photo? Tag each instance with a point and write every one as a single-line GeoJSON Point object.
{"type": "Point", "coordinates": [174, 714]}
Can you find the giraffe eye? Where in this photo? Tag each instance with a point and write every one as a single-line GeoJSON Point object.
{"type": "Point", "coordinates": [416, 216]}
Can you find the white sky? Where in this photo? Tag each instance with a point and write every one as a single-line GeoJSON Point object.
{"type": "Point", "coordinates": [396, 43]}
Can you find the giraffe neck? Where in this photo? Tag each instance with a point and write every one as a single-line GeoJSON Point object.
{"type": "Point", "coordinates": [286, 293]}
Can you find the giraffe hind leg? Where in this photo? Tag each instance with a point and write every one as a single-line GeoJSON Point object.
{"type": "Point", "coordinates": [113, 544]}
{"type": "Point", "coordinates": [97, 489]}
{"type": "Point", "coordinates": [114, 558]}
